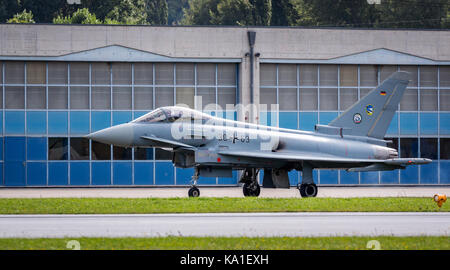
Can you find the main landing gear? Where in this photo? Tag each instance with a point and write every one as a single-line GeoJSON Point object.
{"type": "Point", "coordinates": [251, 186]}
{"type": "Point", "coordinates": [307, 188]}
{"type": "Point", "coordinates": [194, 191]}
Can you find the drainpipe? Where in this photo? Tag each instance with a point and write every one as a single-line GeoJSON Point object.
{"type": "Point", "coordinates": [251, 42]}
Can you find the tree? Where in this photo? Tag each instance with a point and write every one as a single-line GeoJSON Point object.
{"type": "Point", "coordinates": [8, 8]}
{"type": "Point", "coordinates": [81, 16]}
{"type": "Point", "coordinates": [413, 14]}
{"type": "Point", "coordinates": [283, 13]}
{"type": "Point", "coordinates": [175, 10]}
{"type": "Point", "coordinates": [200, 12]}
{"type": "Point", "coordinates": [228, 12]}
{"type": "Point", "coordinates": [129, 12]}
{"type": "Point", "coordinates": [157, 12]}
{"type": "Point", "coordinates": [23, 17]}
{"type": "Point", "coordinates": [44, 10]}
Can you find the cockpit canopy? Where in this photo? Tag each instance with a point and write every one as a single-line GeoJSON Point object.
{"type": "Point", "coordinates": [172, 114]}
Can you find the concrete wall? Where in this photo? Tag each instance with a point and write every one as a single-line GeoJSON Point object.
{"type": "Point", "coordinates": [220, 42]}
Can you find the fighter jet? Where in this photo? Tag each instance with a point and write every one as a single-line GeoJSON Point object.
{"type": "Point", "coordinates": [354, 141]}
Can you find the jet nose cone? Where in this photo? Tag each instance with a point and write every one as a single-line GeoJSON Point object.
{"type": "Point", "coordinates": [120, 135]}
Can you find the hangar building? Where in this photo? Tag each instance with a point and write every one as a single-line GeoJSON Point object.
{"type": "Point", "coordinates": [60, 82]}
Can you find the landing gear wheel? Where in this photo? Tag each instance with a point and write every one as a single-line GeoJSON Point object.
{"type": "Point", "coordinates": [251, 189]}
{"type": "Point", "coordinates": [308, 190]}
{"type": "Point", "coordinates": [194, 192]}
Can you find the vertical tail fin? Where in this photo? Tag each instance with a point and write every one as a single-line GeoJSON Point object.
{"type": "Point", "coordinates": [372, 115]}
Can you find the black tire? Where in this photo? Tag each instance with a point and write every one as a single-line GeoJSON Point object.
{"type": "Point", "coordinates": [251, 189]}
{"type": "Point", "coordinates": [308, 190]}
{"type": "Point", "coordinates": [194, 192]}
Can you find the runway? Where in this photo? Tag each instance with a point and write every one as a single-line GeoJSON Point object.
{"type": "Point", "coordinates": [231, 225]}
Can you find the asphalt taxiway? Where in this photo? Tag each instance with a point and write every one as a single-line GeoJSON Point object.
{"type": "Point", "coordinates": [171, 192]}
{"type": "Point", "coordinates": [230, 225]}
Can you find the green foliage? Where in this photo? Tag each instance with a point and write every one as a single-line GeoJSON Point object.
{"type": "Point", "coordinates": [8, 8]}
{"type": "Point", "coordinates": [81, 16]}
{"type": "Point", "coordinates": [44, 10]}
{"type": "Point", "coordinates": [215, 205]}
{"type": "Point", "coordinates": [228, 12]}
{"type": "Point", "coordinates": [175, 10]}
{"type": "Point", "coordinates": [230, 243]}
{"type": "Point", "coordinates": [23, 17]}
{"type": "Point", "coordinates": [129, 12]}
{"type": "Point", "coordinates": [157, 12]}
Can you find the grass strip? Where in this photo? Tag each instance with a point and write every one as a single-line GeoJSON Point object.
{"type": "Point", "coordinates": [215, 205]}
{"type": "Point", "coordinates": [230, 243]}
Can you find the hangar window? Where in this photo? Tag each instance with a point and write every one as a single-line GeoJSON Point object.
{"type": "Point", "coordinates": [348, 96]}
{"type": "Point", "coordinates": [122, 98]}
{"type": "Point", "coordinates": [79, 149]}
{"type": "Point", "coordinates": [164, 96]}
{"type": "Point", "coordinates": [413, 78]}
{"type": "Point", "coordinates": [208, 95]}
{"type": "Point", "coordinates": [185, 74]}
{"type": "Point", "coordinates": [164, 74]}
{"type": "Point", "coordinates": [206, 74]}
{"type": "Point", "coordinates": [57, 148]}
{"type": "Point", "coordinates": [287, 99]}
{"type": "Point", "coordinates": [79, 97]}
{"type": "Point", "coordinates": [57, 73]}
{"type": "Point", "coordinates": [368, 75]}
{"type": "Point", "coordinates": [409, 147]}
{"type": "Point", "coordinates": [185, 95]}
{"type": "Point", "coordinates": [328, 99]}
{"type": "Point", "coordinates": [161, 154]}
{"type": "Point", "coordinates": [348, 75]}
{"type": "Point", "coordinates": [428, 99]}
{"type": "Point", "coordinates": [36, 97]}
{"type": "Point", "coordinates": [101, 151]}
{"type": "Point", "coordinates": [386, 71]}
{"type": "Point", "coordinates": [268, 75]}
{"type": "Point", "coordinates": [308, 75]}
{"type": "Point", "coordinates": [14, 97]}
{"type": "Point", "coordinates": [328, 75]}
{"type": "Point", "coordinates": [143, 153]}
{"type": "Point", "coordinates": [409, 100]}
{"type": "Point", "coordinates": [308, 99]}
{"type": "Point", "coordinates": [121, 73]}
{"type": "Point", "coordinates": [267, 97]}
{"type": "Point", "coordinates": [444, 99]}
{"type": "Point", "coordinates": [444, 76]}
{"type": "Point", "coordinates": [393, 144]}
{"type": "Point", "coordinates": [287, 75]}
{"type": "Point", "coordinates": [226, 74]}
{"type": "Point", "coordinates": [226, 96]}
{"type": "Point", "coordinates": [57, 97]}
{"type": "Point", "coordinates": [445, 148]}
{"type": "Point", "coordinates": [79, 73]}
{"type": "Point", "coordinates": [428, 76]}
{"type": "Point", "coordinates": [143, 73]}
{"type": "Point", "coordinates": [143, 98]}
{"type": "Point", "coordinates": [36, 73]}
{"type": "Point", "coordinates": [121, 153]}
{"type": "Point", "coordinates": [101, 73]}
{"type": "Point", "coordinates": [14, 72]}
{"type": "Point", "coordinates": [429, 148]}
{"type": "Point", "coordinates": [101, 98]}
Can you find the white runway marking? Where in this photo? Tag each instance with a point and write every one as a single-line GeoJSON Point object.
{"type": "Point", "coordinates": [251, 225]}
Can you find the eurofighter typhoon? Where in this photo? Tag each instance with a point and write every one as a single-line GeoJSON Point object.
{"type": "Point", "coordinates": [215, 146]}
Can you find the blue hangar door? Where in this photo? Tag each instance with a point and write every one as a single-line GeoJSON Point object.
{"type": "Point", "coordinates": [15, 161]}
